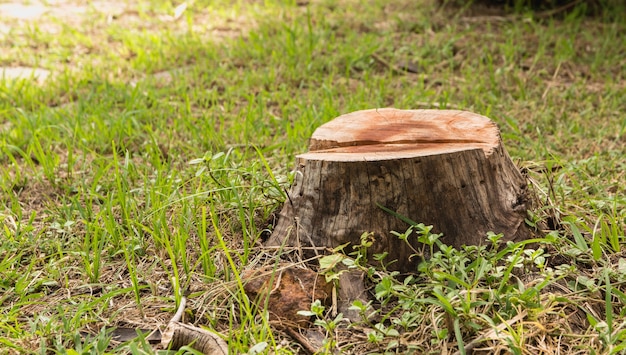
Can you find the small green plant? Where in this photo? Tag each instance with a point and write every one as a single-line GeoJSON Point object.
{"type": "Point", "coordinates": [329, 325]}
{"type": "Point", "coordinates": [155, 156]}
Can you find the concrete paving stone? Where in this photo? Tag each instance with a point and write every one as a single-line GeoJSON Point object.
{"type": "Point", "coordinates": [26, 73]}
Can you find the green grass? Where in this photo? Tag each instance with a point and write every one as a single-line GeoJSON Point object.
{"type": "Point", "coordinates": [122, 190]}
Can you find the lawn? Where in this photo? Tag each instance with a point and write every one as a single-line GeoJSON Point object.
{"type": "Point", "coordinates": [145, 161]}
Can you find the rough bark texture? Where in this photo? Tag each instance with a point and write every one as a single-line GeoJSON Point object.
{"type": "Point", "coordinates": [439, 167]}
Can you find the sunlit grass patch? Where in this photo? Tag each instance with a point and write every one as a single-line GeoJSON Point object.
{"type": "Point", "coordinates": [150, 164]}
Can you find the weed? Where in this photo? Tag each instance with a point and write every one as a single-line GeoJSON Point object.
{"type": "Point", "coordinates": [149, 162]}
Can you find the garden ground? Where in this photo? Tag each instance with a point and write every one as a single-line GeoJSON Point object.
{"type": "Point", "coordinates": [146, 146]}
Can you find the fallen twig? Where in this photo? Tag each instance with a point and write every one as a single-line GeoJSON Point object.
{"type": "Point", "coordinates": [306, 344]}
{"type": "Point", "coordinates": [550, 13]}
{"type": "Point", "coordinates": [394, 68]}
{"type": "Point", "coordinates": [177, 334]}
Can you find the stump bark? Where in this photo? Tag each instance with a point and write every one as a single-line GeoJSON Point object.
{"type": "Point", "coordinates": [444, 168]}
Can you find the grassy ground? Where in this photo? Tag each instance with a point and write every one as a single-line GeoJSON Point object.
{"type": "Point", "coordinates": [151, 157]}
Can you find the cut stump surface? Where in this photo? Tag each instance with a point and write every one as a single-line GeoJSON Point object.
{"type": "Point", "coordinates": [443, 168]}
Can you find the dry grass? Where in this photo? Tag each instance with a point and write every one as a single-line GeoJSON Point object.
{"type": "Point", "coordinates": [105, 223]}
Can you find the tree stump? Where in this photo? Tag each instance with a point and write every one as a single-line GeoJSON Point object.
{"type": "Point", "coordinates": [444, 168]}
